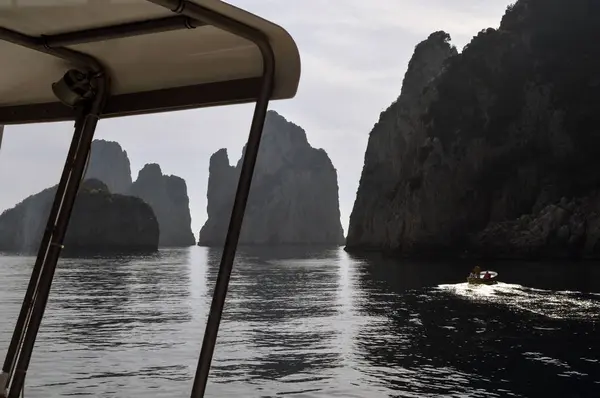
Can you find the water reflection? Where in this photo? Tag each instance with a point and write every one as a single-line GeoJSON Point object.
{"type": "Point", "coordinates": [454, 339]}
{"type": "Point", "coordinates": [112, 320]}
{"type": "Point", "coordinates": [280, 302]}
{"type": "Point", "coordinates": [98, 300]}
{"type": "Point", "coordinates": [91, 297]}
{"type": "Point", "coordinates": [311, 322]}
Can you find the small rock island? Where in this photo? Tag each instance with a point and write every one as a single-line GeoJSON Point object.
{"type": "Point", "coordinates": [111, 213]}
{"type": "Point", "coordinates": [101, 222]}
{"type": "Point", "coordinates": [491, 152]}
{"type": "Point", "coordinates": [166, 194]}
{"type": "Point", "coordinates": [293, 198]}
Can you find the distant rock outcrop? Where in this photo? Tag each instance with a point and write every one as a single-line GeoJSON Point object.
{"type": "Point", "coordinates": [495, 151]}
{"type": "Point", "coordinates": [101, 223]}
{"type": "Point", "coordinates": [109, 163]}
{"type": "Point", "coordinates": [167, 195]}
{"type": "Point", "coordinates": [294, 194]}
{"type": "Point", "coordinates": [222, 179]}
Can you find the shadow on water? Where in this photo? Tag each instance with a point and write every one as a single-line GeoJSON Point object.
{"type": "Point", "coordinates": [280, 299]}
{"type": "Point", "coordinates": [428, 336]}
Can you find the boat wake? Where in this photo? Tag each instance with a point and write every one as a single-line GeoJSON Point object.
{"type": "Point", "coordinates": [549, 303]}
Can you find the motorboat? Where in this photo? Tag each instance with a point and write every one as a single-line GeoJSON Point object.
{"type": "Point", "coordinates": [80, 61]}
{"type": "Point", "coordinates": [472, 280]}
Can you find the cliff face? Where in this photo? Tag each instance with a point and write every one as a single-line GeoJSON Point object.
{"type": "Point", "coordinates": [109, 163]}
{"type": "Point", "coordinates": [167, 195]}
{"type": "Point", "coordinates": [222, 180]}
{"type": "Point", "coordinates": [385, 202]}
{"type": "Point", "coordinates": [496, 154]}
{"type": "Point", "coordinates": [101, 222]}
{"type": "Point", "coordinates": [294, 193]}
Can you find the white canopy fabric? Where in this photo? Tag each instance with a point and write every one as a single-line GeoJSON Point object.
{"type": "Point", "coordinates": [175, 69]}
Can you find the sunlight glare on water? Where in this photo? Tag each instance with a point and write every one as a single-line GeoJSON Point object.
{"type": "Point", "coordinates": [552, 304]}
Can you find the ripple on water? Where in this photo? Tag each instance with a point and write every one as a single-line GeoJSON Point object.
{"type": "Point", "coordinates": [300, 323]}
{"type": "Point", "coordinates": [552, 304]}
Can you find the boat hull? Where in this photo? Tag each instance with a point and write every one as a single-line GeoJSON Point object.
{"type": "Point", "coordinates": [481, 281]}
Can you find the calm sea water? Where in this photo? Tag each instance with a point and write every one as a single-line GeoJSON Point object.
{"type": "Point", "coordinates": [314, 322]}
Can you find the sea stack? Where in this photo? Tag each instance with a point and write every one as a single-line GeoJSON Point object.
{"type": "Point", "coordinates": [167, 195]}
{"type": "Point", "coordinates": [494, 151]}
{"type": "Point", "coordinates": [293, 198]}
{"type": "Point", "coordinates": [109, 163]}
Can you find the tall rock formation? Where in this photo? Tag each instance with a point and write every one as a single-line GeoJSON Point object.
{"type": "Point", "coordinates": [294, 193]}
{"type": "Point", "coordinates": [101, 222]}
{"type": "Point", "coordinates": [494, 153]}
{"type": "Point", "coordinates": [397, 144]}
{"type": "Point", "coordinates": [167, 195]}
{"type": "Point", "coordinates": [222, 178]}
{"type": "Point", "coordinates": [109, 163]}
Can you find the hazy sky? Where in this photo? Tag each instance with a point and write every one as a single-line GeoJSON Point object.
{"type": "Point", "coordinates": [354, 54]}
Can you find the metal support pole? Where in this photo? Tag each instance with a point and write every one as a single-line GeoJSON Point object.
{"type": "Point", "coordinates": [17, 337]}
{"type": "Point", "coordinates": [49, 251]}
{"type": "Point", "coordinates": [231, 241]}
{"type": "Point", "coordinates": [193, 10]}
{"type": "Point", "coordinates": [32, 310]}
{"type": "Point", "coordinates": [130, 29]}
{"type": "Point", "coordinates": [3, 374]}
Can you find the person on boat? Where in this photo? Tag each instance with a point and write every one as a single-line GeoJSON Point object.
{"type": "Point", "coordinates": [476, 271]}
{"type": "Point", "coordinates": [487, 275]}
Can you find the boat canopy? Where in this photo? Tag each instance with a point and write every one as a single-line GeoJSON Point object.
{"type": "Point", "coordinates": [158, 58]}
{"type": "Point", "coordinates": [83, 60]}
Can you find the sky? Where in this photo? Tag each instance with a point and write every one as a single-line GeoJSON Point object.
{"type": "Point", "coordinates": [354, 54]}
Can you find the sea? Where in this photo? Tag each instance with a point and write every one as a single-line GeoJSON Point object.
{"type": "Point", "coordinates": [310, 322]}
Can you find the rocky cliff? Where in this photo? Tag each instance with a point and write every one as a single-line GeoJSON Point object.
{"type": "Point", "coordinates": [167, 195]}
{"type": "Point", "coordinates": [109, 163]}
{"type": "Point", "coordinates": [491, 151]}
{"type": "Point", "coordinates": [294, 194]}
{"type": "Point", "coordinates": [101, 222]}
{"type": "Point", "coordinates": [385, 208]}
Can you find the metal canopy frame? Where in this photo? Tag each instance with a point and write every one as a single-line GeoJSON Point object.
{"type": "Point", "coordinates": [86, 115]}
